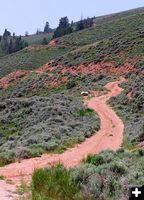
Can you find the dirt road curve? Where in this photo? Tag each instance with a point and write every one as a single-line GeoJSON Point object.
{"type": "Point", "coordinates": [110, 136]}
{"type": "Point", "coordinates": [7, 191]}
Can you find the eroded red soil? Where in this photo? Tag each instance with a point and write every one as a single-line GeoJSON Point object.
{"type": "Point", "coordinates": [13, 78]}
{"type": "Point", "coordinates": [54, 42]}
{"type": "Point", "coordinates": [88, 68]}
{"type": "Point", "coordinates": [64, 72]}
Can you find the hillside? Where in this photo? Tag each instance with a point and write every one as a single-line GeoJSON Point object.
{"type": "Point", "coordinates": [36, 39]}
{"type": "Point", "coordinates": [42, 109]}
{"type": "Point", "coordinates": [118, 40]}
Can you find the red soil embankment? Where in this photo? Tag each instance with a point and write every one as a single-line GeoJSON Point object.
{"type": "Point", "coordinates": [64, 72]}
{"type": "Point", "coordinates": [13, 77]}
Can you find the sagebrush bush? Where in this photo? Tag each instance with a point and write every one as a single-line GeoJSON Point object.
{"type": "Point", "coordinates": [81, 173]}
{"type": "Point", "coordinates": [107, 156]}
{"type": "Point", "coordinates": [92, 187]}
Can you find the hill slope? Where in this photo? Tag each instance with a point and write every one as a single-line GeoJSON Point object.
{"type": "Point", "coordinates": [42, 110]}
{"type": "Point", "coordinates": [118, 40]}
{"type": "Point", "coordinates": [36, 39]}
{"type": "Point", "coordinates": [83, 60]}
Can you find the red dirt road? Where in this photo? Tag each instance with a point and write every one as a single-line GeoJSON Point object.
{"type": "Point", "coordinates": [110, 136]}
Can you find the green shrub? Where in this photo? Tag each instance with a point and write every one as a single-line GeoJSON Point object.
{"type": "Point", "coordinates": [2, 177]}
{"type": "Point", "coordinates": [84, 112]}
{"type": "Point", "coordinates": [35, 152]}
{"type": "Point", "coordinates": [118, 167]}
{"type": "Point", "coordinates": [8, 129]}
{"type": "Point", "coordinates": [70, 84]}
{"type": "Point", "coordinates": [113, 186]}
{"type": "Point", "coordinates": [94, 159]}
{"type": "Point", "coordinates": [54, 183]}
{"type": "Point", "coordinates": [6, 158]}
{"type": "Point", "coordinates": [141, 152]}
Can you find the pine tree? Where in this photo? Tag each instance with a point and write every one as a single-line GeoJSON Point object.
{"type": "Point", "coordinates": [88, 22]}
{"type": "Point", "coordinates": [5, 41]}
{"type": "Point", "coordinates": [6, 34]}
{"type": "Point", "coordinates": [80, 25]}
{"type": "Point", "coordinates": [13, 35]}
{"type": "Point", "coordinates": [26, 34]}
{"type": "Point", "coordinates": [10, 44]}
{"type": "Point", "coordinates": [47, 28]}
{"type": "Point", "coordinates": [63, 28]}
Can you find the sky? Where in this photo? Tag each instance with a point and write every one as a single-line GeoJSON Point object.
{"type": "Point", "coordinates": [20, 16]}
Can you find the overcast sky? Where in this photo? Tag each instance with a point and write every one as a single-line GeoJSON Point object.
{"type": "Point", "coordinates": [27, 15]}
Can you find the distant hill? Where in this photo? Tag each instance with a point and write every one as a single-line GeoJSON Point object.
{"type": "Point", "coordinates": [115, 16]}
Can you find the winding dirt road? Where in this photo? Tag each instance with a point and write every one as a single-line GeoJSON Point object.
{"type": "Point", "coordinates": [110, 136]}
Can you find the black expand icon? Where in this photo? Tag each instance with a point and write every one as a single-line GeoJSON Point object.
{"type": "Point", "coordinates": [136, 192]}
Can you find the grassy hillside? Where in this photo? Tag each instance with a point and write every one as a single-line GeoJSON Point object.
{"type": "Point", "coordinates": [37, 39]}
{"type": "Point", "coordinates": [29, 59]}
{"type": "Point", "coordinates": [118, 40]}
{"type": "Point", "coordinates": [117, 16]}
